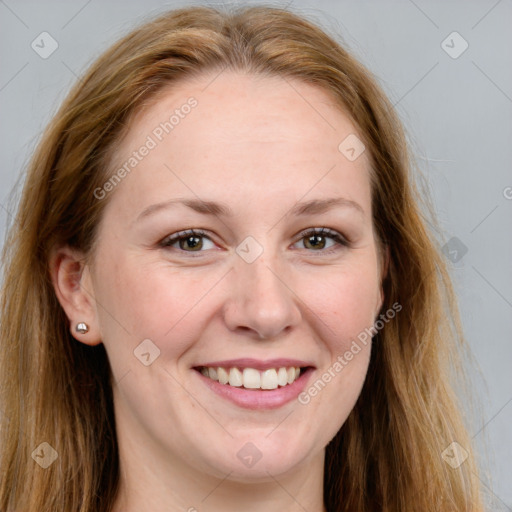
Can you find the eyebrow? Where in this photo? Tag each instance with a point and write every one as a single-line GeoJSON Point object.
{"type": "Point", "coordinates": [314, 206]}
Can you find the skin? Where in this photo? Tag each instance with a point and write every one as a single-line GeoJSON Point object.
{"type": "Point", "coordinates": [260, 146]}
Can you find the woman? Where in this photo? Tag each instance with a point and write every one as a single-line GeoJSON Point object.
{"type": "Point", "coordinates": [220, 292]}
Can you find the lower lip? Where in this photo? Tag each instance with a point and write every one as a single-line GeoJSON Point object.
{"type": "Point", "coordinates": [258, 398]}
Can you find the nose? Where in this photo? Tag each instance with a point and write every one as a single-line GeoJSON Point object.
{"type": "Point", "coordinates": [261, 300]}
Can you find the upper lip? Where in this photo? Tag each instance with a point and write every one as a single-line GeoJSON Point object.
{"type": "Point", "coordinates": [257, 364]}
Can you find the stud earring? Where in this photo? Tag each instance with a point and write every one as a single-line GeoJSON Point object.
{"type": "Point", "coordinates": [82, 328]}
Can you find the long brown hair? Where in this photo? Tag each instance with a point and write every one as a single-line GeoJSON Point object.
{"type": "Point", "coordinates": [387, 455]}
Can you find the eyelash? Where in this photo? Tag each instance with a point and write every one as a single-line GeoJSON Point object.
{"type": "Point", "coordinates": [324, 232]}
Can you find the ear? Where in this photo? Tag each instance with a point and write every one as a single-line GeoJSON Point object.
{"type": "Point", "coordinates": [72, 282]}
{"type": "Point", "coordinates": [384, 268]}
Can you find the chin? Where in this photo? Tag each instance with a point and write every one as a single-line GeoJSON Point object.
{"type": "Point", "coordinates": [256, 461]}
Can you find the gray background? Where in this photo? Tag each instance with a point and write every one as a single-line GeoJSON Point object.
{"type": "Point", "coordinates": [457, 112]}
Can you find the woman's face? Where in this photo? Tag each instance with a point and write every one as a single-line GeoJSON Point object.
{"type": "Point", "coordinates": [248, 162]}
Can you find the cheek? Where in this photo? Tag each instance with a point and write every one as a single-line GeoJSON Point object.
{"type": "Point", "coordinates": [343, 307]}
{"type": "Point", "coordinates": [141, 300]}
{"type": "Point", "coordinates": [346, 302]}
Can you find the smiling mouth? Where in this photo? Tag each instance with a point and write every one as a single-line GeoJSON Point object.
{"type": "Point", "coordinates": [251, 378]}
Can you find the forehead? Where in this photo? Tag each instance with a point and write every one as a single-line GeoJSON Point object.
{"type": "Point", "coordinates": [241, 136]}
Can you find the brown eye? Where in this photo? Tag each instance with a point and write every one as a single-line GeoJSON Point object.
{"type": "Point", "coordinates": [317, 239]}
{"type": "Point", "coordinates": [186, 241]}
{"type": "Point", "coordinates": [194, 243]}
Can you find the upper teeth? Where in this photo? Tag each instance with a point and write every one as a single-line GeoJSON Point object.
{"type": "Point", "coordinates": [251, 378]}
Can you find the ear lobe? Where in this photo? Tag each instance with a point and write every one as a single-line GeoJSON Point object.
{"type": "Point", "coordinates": [73, 288]}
